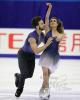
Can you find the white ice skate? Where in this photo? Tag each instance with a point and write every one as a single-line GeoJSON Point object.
{"type": "Point", "coordinates": [44, 94]}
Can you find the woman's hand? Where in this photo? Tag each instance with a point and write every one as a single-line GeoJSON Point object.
{"type": "Point", "coordinates": [49, 4]}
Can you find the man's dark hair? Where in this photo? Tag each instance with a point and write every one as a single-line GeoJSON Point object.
{"type": "Point", "coordinates": [35, 21]}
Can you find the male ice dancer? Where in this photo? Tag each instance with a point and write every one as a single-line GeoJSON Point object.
{"type": "Point", "coordinates": [26, 54]}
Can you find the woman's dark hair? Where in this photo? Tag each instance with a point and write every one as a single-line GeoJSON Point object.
{"type": "Point", "coordinates": [35, 21]}
{"type": "Point", "coordinates": [60, 27]}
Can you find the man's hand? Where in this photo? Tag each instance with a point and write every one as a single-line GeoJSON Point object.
{"type": "Point", "coordinates": [49, 41]}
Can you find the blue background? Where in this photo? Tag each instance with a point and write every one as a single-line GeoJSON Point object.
{"type": "Point", "coordinates": [19, 13]}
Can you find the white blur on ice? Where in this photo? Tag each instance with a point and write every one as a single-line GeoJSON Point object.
{"type": "Point", "coordinates": [64, 83]}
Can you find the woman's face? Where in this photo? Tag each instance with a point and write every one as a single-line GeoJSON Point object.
{"type": "Point", "coordinates": [53, 23]}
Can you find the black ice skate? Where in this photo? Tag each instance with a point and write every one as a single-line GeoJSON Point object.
{"type": "Point", "coordinates": [16, 79]}
{"type": "Point", "coordinates": [18, 92]}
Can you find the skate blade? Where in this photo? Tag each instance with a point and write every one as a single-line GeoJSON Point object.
{"type": "Point", "coordinates": [45, 98]}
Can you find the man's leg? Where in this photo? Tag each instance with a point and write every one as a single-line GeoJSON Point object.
{"type": "Point", "coordinates": [20, 78]}
{"type": "Point", "coordinates": [20, 86]}
{"type": "Point", "coordinates": [26, 66]}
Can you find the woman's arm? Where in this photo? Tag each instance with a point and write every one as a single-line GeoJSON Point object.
{"type": "Point", "coordinates": [47, 17]}
{"type": "Point", "coordinates": [60, 38]}
{"type": "Point", "coordinates": [62, 35]}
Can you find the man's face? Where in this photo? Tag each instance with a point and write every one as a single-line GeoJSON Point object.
{"type": "Point", "coordinates": [41, 25]}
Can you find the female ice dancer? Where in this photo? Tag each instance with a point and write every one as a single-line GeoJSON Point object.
{"type": "Point", "coordinates": [50, 56]}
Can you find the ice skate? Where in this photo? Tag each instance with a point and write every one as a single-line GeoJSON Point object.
{"type": "Point", "coordinates": [44, 94]}
{"type": "Point", "coordinates": [16, 79]}
{"type": "Point", "coordinates": [18, 92]}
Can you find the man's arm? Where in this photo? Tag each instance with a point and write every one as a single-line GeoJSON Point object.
{"type": "Point", "coordinates": [34, 46]}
